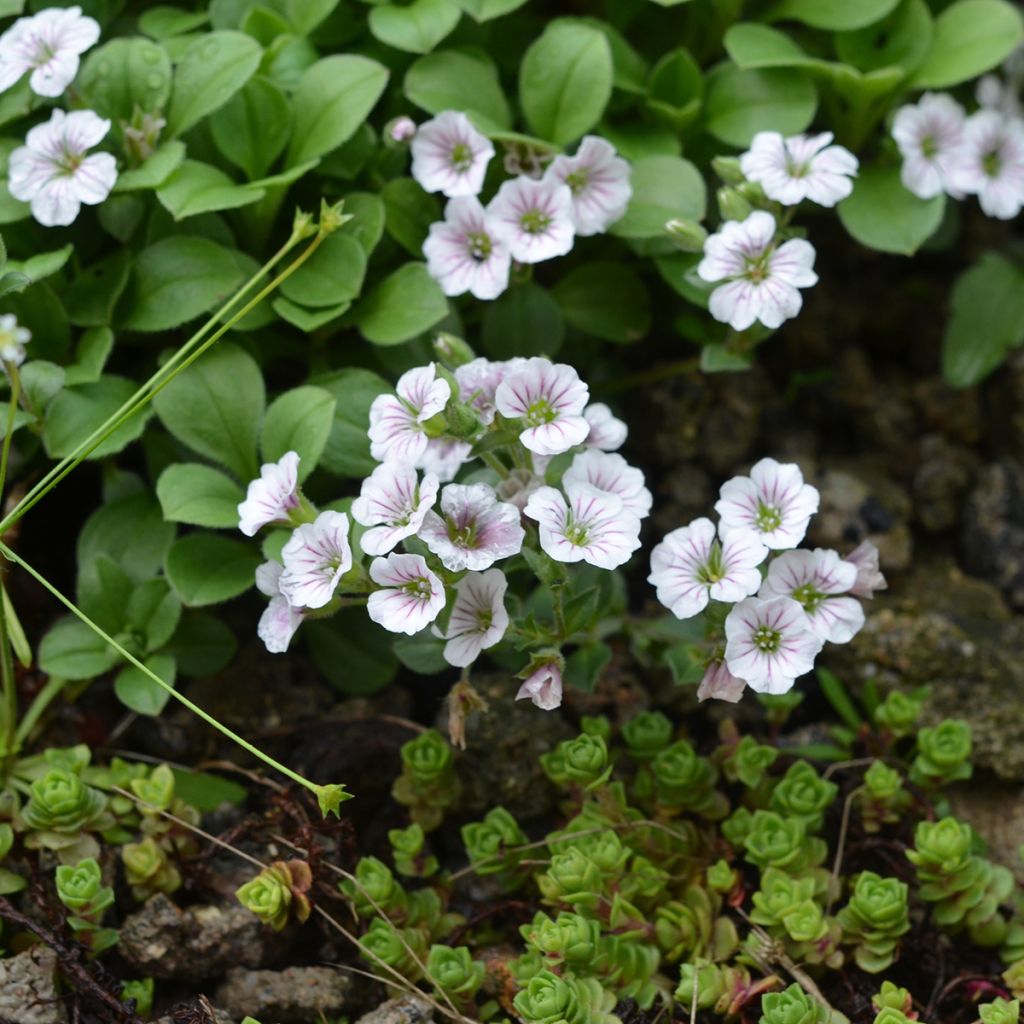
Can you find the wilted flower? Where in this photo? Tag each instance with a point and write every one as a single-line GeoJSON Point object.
{"type": "Point", "coordinates": [550, 399]}
{"type": "Point", "coordinates": [411, 598]}
{"type": "Point", "coordinates": [280, 619]}
{"type": "Point", "coordinates": [991, 163]}
{"type": "Point", "coordinates": [769, 643]}
{"type": "Point", "coordinates": [533, 218]}
{"type": "Point", "coordinates": [474, 530]}
{"type": "Point", "coordinates": [392, 502]}
{"type": "Point", "coordinates": [443, 457]}
{"type": "Point", "coordinates": [543, 687]}
{"type": "Point", "coordinates": [591, 526]}
{"type": "Point", "coordinates": [598, 179]}
{"type": "Point", "coordinates": [52, 172]}
{"type": "Point", "coordinates": [13, 339]}
{"type": "Point", "coordinates": [315, 558]}
{"type": "Point", "coordinates": [773, 502]}
{"type": "Point", "coordinates": [449, 155]}
{"type": "Point", "coordinates": [49, 45]}
{"type": "Point", "coordinates": [718, 683]}
{"type": "Point", "coordinates": [613, 475]}
{"type": "Point", "coordinates": [762, 279]}
{"type": "Point", "coordinates": [691, 567]}
{"type": "Point", "coordinates": [478, 381]}
{"type": "Point", "coordinates": [396, 421]}
{"type": "Point", "coordinates": [607, 432]}
{"type": "Point", "coordinates": [800, 167]}
{"type": "Point", "coordinates": [929, 135]}
{"type": "Point", "coordinates": [271, 499]}
{"type": "Point", "coordinates": [517, 487]}
{"type": "Point", "coordinates": [463, 253]}
{"type": "Point", "coordinates": [478, 618]}
{"type": "Point", "coordinates": [869, 578]}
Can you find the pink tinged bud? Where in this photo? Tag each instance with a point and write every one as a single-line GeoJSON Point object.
{"type": "Point", "coordinates": [720, 684]}
{"type": "Point", "coordinates": [543, 687]}
{"type": "Point", "coordinates": [869, 578]}
{"type": "Point", "coordinates": [401, 129]}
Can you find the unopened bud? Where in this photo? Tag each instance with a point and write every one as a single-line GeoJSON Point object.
{"type": "Point", "coordinates": [302, 225]}
{"type": "Point", "coordinates": [462, 421]}
{"type": "Point", "coordinates": [732, 205]}
{"type": "Point", "coordinates": [728, 169]}
{"type": "Point", "coordinates": [686, 235]}
{"type": "Point", "coordinates": [752, 192]}
{"type": "Point", "coordinates": [452, 350]}
{"type": "Point", "coordinates": [331, 216]}
{"type": "Point", "coordinates": [399, 131]}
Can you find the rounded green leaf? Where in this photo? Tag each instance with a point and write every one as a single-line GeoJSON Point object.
{"type": "Point", "coordinates": [204, 568]}
{"type": "Point", "coordinates": [487, 10]}
{"type": "Point", "coordinates": [409, 213]}
{"type": "Point", "coordinates": [163, 162]}
{"type": "Point", "coordinates": [300, 420]}
{"type": "Point", "coordinates": [367, 223]}
{"type": "Point", "coordinates": [404, 305]}
{"type": "Point", "coordinates": [751, 45]}
{"type": "Point", "coordinates": [210, 72]}
{"type": "Point", "coordinates": [883, 215]}
{"type": "Point", "coordinates": [333, 274]}
{"type": "Point", "coordinates": [124, 74]}
{"type": "Point", "coordinates": [71, 650]}
{"type": "Point", "coordinates": [196, 188]}
{"type": "Point", "coordinates": [663, 187]}
{"type": "Point", "coordinates": [676, 88]}
{"type": "Point", "coordinates": [416, 28]}
{"type": "Point", "coordinates": [333, 99]}
{"type": "Point", "coordinates": [202, 645]}
{"type": "Point", "coordinates": [142, 694]}
{"type": "Point", "coordinates": [607, 300]}
{"type": "Point", "coordinates": [190, 492]}
{"type": "Point", "coordinates": [971, 36]}
{"type": "Point", "coordinates": [153, 612]}
{"type": "Point", "coordinates": [836, 15]}
{"type": "Point", "coordinates": [524, 321]}
{"type": "Point", "coordinates": [452, 80]}
{"type": "Point", "coordinates": [76, 412]}
{"type": "Point", "coordinates": [565, 81]}
{"type": "Point", "coordinates": [901, 40]}
{"type": "Point", "coordinates": [252, 128]}
{"type": "Point", "coordinates": [738, 103]}
{"type": "Point", "coordinates": [355, 659]}
{"type": "Point", "coordinates": [131, 531]}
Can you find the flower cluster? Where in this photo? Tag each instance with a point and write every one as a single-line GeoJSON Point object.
{"type": "Point", "coordinates": [530, 219]}
{"type": "Point", "coordinates": [456, 533]}
{"type": "Point", "coordinates": [945, 150]}
{"type": "Point", "coordinates": [769, 606]}
{"type": "Point", "coordinates": [53, 170]}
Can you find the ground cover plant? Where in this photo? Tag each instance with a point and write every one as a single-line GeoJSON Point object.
{"type": "Point", "coordinates": [370, 350]}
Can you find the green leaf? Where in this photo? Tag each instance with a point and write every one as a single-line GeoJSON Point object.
{"type": "Point", "coordinates": [332, 275]}
{"type": "Point", "coordinates": [663, 187]}
{"type": "Point", "coordinates": [153, 612]}
{"type": "Point", "coordinates": [104, 589]}
{"type": "Point", "coordinates": [409, 213]}
{"type": "Point", "coordinates": [565, 81]}
{"type": "Point", "coordinates": [607, 300]}
{"type": "Point", "coordinates": [94, 293]}
{"type": "Point", "coordinates": [130, 530]}
{"type": "Point", "coordinates": [971, 36]}
{"type": "Point", "coordinates": [166, 22]}
{"type": "Point", "coordinates": [202, 645]}
{"type": "Point", "coordinates": [38, 267]}
{"type": "Point", "coordinates": [347, 451]}
{"type": "Point", "coordinates": [204, 791]}
{"type": "Point", "coordinates": [137, 692]}
{"type": "Point", "coordinates": [422, 653]}
{"type": "Point", "coordinates": [751, 45]}
{"type": "Point", "coordinates": [309, 320]}
{"type": "Point", "coordinates": [738, 103]}
{"type": "Point", "coordinates": [210, 72]}
{"type": "Point", "coordinates": [901, 40]}
{"type": "Point", "coordinates": [164, 161]}
{"type": "Point", "coordinates": [124, 74]}
{"type": "Point", "coordinates": [523, 321]}
{"type": "Point", "coordinates": [91, 356]}
{"type": "Point", "coordinates": [584, 666]}
{"type": "Point", "coordinates": [676, 88]}
{"type": "Point", "coordinates": [190, 492]}
{"type": "Point", "coordinates": [196, 188]}
{"type": "Point", "coordinates": [631, 69]}
{"type": "Point", "coordinates": [835, 693]}
{"type": "Point", "coordinates": [252, 128]}
{"type": "Point", "coordinates": [453, 80]}
{"type": "Point", "coordinates": [215, 407]}
{"type": "Point", "coordinates": [300, 421]}
{"type": "Point", "coordinates": [333, 99]}
{"type": "Point", "coordinates": [883, 215]}
{"type": "Point", "coordinates": [71, 650]}
{"type": "Point", "coordinates": [204, 568]}
{"type": "Point", "coordinates": [41, 381]}
{"type": "Point", "coordinates": [367, 223]}
{"type": "Point", "coordinates": [987, 320]}
{"type": "Point", "coordinates": [356, 660]}
{"type": "Point", "coordinates": [177, 279]}
{"type": "Point", "coordinates": [836, 15]}
{"type": "Point", "coordinates": [305, 15]}
{"type": "Point", "coordinates": [488, 10]}
{"type": "Point", "coordinates": [76, 412]}
{"type": "Point", "coordinates": [416, 28]}
{"type": "Point", "coordinates": [404, 305]}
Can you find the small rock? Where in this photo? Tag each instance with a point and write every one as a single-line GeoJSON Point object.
{"type": "Point", "coordinates": [195, 1011]}
{"type": "Point", "coordinates": [165, 942]}
{"type": "Point", "coordinates": [941, 482]}
{"type": "Point", "coordinates": [293, 996]}
{"type": "Point", "coordinates": [993, 534]}
{"type": "Point", "coordinates": [404, 1010]}
{"type": "Point", "coordinates": [28, 991]}
{"type": "Point", "coordinates": [996, 812]}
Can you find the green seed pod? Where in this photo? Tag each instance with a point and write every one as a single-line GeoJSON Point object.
{"type": "Point", "coordinates": [1000, 1011]}
{"type": "Point", "coordinates": [148, 870]}
{"type": "Point", "coordinates": [80, 888]}
{"type": "Point", "coordinates": [452, 350]}
{"type": "Point", "coordinates": [455, 972]}
{"type": "Point", "coordinates": [728, 169]}
{"type": "Point", "coordinates": [731, 204]}
{"type": "Point", "coordinates": [686, 235]}
{"type": "Point", "coordinates": [647, 734]}
{"type": "Point", "coordinates": [374, 884]}
{"type": "Point", "coordinates": [803, 793]}
{"type": "Point", "coordinates": [487, 841]}
{"type": "Point", "coordinates": [791, 1006]}
{"type": "Point", "coordinates": [943, 754]}
{"type": "Point", "coordinates": [874, 919]}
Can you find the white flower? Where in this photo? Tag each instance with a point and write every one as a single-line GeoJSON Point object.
{"type": "Point", "coordinates": [719, 683]}
{"type": "Point", "coordinates": [800, 167]}
{"type": "Point", "coordinates": [599, 181]}
{"type": "Point", "coordinates": [691, 567]}
{"type": "Point", "coordinates": [607, 432]}
{"type": "Point", "coordinates": [52, 172]}
{"type": "Point", "coordinates": [478, 381]}
{"type": "Point", "coordinates": [549, 398]}
{"type": "Point", "coordinates": [478, 619]}
{"type": "Point", "coordinates": [401, 129]}
{"type": "Point", "coordinates": [463, 253]}
{"type": "Point", "coordinates": [543, 687]}
{"type": "Point", "coordinates": [443, 457]}
{"type": "Point", "coordinates": [991, 164]}
{"type": "Point", "coordinates": [533, 218]}
{"type": "Point", "coordinates": [816, 580]}
{"type": "Point", "coordinates": [929, 136]}
{"type": "Point", "coordinates": [869, 578]}
{"type": "Point", "coordinates": [271, 498]}
{"type": "Point", "coordinates": [396, 423]}
{"type": "Point", "coordinates": [449, 155]}
{"type": "Point", "coordinates": [411, 598]}
{"type": "Point", "coordinates": [48, 44]}
{"type": "Point", "coordinates": [279, 620]}
{"type": "Point", "coordinates": [613, 475]}
{"type": "Point", "coordinates": [762, 279]}
{"type": "Point", "coordinates": [393, 502]}
{"type": "Point", "coordinates": [591, 526]}
{"type": "Point", "coordinates": [13, 340]}
{"type": "Point", "coordinates": [773, 502]}
{"type": "Point", "coordinates": [315, 558]}
{"type": "Point", "coordinates": [769, 644]}
{"type": "Point", "coordinates": [476, 529]}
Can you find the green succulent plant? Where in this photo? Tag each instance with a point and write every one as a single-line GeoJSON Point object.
{"type": "Point", "coordinates": [683, 927]}
{"type": "Point", "coordinates": [748, 762]}
{"type": "Point", "coordinates": [489, 842]}
{"type": "Point", "coordinates": [683, 781]}
{"type": "Point", "coordinates": [402, 949]}
{"type": "Point", "coordinates": [428, 783]}
{"type": "Point", "coordinates": [148, 869]}
{"type": "Point", "coordinates": [775, 841]}
{"type": "Point", "coordinates": [891, 1015]}
{"type": "Point", "coordinates": [60, 813]}
{"type": "Point", "coordinates": [80, 888]}
{"type": "Point", "coordinates": [278, 893]}
{"type": "Point", "coordinates": [455, 973]}
{"type": "Point", "coordinates": [881, 799]}
{"type": "Point", "coordinates": [549, 999]}
{"type": "Point", "coordinates": [374, 890]}
{"type": "Point", "coordinates": [582, 761]}
{"type": "Point", "coordinates": [646, 735]}
{"type": "Point", "coordinates": [874, 919]}
{"type": "Point", "coordinates": [627, 967]}
{"type": "Point", "coordinates": [722, 877]}
{"type": "Point", "coordinates": [1000, 1011]}
{"type": "Point", "coordinates": [899, 712]}
{"type": "Point", "coordinates": [139, 991]}
{"type": "Point", "coordinates": [408, 848]}
{"type": "Point", "coordinates": [802, 793]}
{"type": "Point", "coordinates": [892, 997]}
{"type": "Point", "coordinates": [572, 878]}
{"type": "Point", "coordinates": [791, 1006]}
{"type": "Point", "coordinates": [570, 937]}
{"type": "Point", "coordinates": [943, 754]}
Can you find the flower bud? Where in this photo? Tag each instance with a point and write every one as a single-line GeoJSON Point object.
{"type": "Point", "coordinates": [452, 350]}
{"type": "Point", "coordinates": [686, 235]}
{"type": "Point", "coordinates": [728, 169]}
{"type": "Point", "coordinates": [731, 205]}
{"type": "Point", "coordinates": [399, 131]}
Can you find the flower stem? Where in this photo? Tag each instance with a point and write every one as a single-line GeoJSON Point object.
{"type": "Point", "coordinates": [7, 681]}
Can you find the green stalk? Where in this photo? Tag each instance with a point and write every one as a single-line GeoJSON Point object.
{"type": "Point", "coordinates": [7, 680]}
